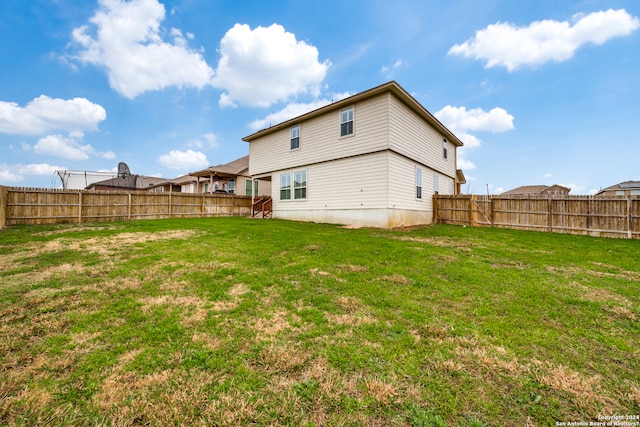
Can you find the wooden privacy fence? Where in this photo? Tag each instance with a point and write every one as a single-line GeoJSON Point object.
{"type": "Point", "coordinates": [45, 206]}
{"type": "Point", "coordinates": [588, 215]}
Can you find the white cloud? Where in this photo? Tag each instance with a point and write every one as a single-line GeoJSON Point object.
{"type": "Point", "coordinates": [294, 110]}
{"type": "Point", "coordinates": [15, 173]}
{"type": "Point", "coordinates": [45, 114]}
{"type": "Point", "coordinates": [109, 155]}
{"type": "Point", "coordinates": [68, 147]}
{"type": "Point", "coordinates": [459, 120]}
{"type": "Point", "coordinates": [548, 175]}
{"type": "Point", "coordinates": [60, 146]}
{"type": "Point", "coordinates": [509, 46]}
{"type": "Point", "coordinates": [575, 188]}
{"type": "Point", "coordinates": [465, 164]}
{"type": "Point", "coordinates": [388, 71]}
{"type": "Point", "coordinates": [265, 65]}
{"type": "Point", "coordinates": [208, 140]}
{"type": "Point", "coordinates": [184, 160]}
{"type": "Point", "coordinates": [476, 119]}
{"type": "Point", "coordinates": [128, 43]}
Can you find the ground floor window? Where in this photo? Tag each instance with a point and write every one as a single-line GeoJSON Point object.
{"type": "Point", "coordinates": [300, 185]}
{"type": "Point", "coordinates": [436, 183]}
{"type": "Point", "coordinates": [247, 190]}
{"type": "Point", "coordinates": [231, 186]}
{"type": "Point", "coordinates": [285, 186]}
{"type": "Point", "coordinates": [418, 183]}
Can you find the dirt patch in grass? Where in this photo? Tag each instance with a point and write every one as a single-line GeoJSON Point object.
{"type": "Point", "coordinates": [600, 295]}
{"type": "Point", "coordinates": [107, 244]}
{"type": "Point", "coordinates": [353, 268]}
{"type": "Point", "coordinates": [350, 319]}
{"type": "Point", "coordinates": [397, 279]}
{"type": "Point", "coordinates": [350, 304]}
{"type": "Point", "coordinates": [169, 397]}
{"type": "Point", "coordinates": [78, 228]}
{"type": "Point", "coordinates": [209, 341]}
{"type": "Point", "coordinates": [615, 271]}
{"type": "Point", "coordinates": [316, 272]}
{"type": "Point", "coordinates": [281, 358]}
{"type": "Point", "coordinates": [266, 328]}
{"type": "Point", "coordinates": [491, 362]}
{"type": "Point", "coordinates": [443, 242]}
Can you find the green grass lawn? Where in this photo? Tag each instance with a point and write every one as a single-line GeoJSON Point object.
{"type": "Point", "coordinates": [232, 321]}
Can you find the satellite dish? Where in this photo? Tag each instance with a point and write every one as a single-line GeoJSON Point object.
{"type": "Point", "coordinates": [123, 170]}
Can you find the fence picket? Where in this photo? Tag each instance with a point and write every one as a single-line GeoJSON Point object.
{"type": "Point", "coordinates": [55, 206]}
{"type": "Point", "coordinates": [588, 215]}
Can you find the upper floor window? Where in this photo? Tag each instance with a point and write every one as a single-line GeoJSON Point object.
{"type": "Point", "coordinates": [418, 183]}
{"type": "Point", "coordinates": [346, 122]}
{"type": "Point", "coordinates": [295, 137]}
{"type": "Point", "coordinates": [445, 145]}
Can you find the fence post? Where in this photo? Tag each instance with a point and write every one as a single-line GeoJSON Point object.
{"type": "Point", "coordinates": [492, 218]}
{"type": "Point", "coordinates": [629, 221]}
{"type": "Point", "coordinates": [549, 217]}
{"type": "Point", "coordinates": [129, 209]}
{"type": "Point", "coordinates": [474, 210]}
{"type": "Point", "coordinates": [435, 209]}
{"type": "Point", "coordinates": [3, 205]}
{"type": "Point", "coordinates": [80, 207]}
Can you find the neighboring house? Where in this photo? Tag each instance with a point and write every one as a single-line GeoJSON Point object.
{"type": "Point", "coordinates": [181, 184]}
{"type": "Point", "coordinates": [626, 189]}
{"type": "Point", "coordinates": [538, 190]}
{"type": "Point", "coordinates": [231, 178]}
{"type": "Point", "coordinates": [373, 159]}
{"type": "Point", "coordinates": [126, 182]}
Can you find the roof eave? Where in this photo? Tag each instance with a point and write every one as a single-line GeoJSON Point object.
{"type": "Point", "coordinates": [391, 86]}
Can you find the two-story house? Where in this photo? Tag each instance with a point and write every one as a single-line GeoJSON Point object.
{"type": "Point", "coordinates": [373, 159]}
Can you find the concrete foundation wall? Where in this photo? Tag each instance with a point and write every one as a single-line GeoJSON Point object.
{"type": "Point", "coordinates": [378, 218]}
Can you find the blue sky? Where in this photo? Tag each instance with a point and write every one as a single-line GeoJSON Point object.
{"type": "Point", "coordinates": [540, 91]}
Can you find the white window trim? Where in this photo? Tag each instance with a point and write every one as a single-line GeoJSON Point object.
{"type": "Point", "coordinates": [306, 184]}
{"type": "Point", "coordinates": [418, 183]}
{"type": "Point", "coordinates": [353, 121]}
{"type": "Point", "coordinates": [292, 186]}
{"type": "Point", "coordinates": [291, 137]}
{"type": "Point", "coordinates": [280, 188]}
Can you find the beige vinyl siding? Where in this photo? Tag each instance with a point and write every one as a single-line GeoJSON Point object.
{"type": "Point", "coordinates": [413, 137]}
{"type": "Point", "coordinates": [354, 183]}
{"type": "Point", "coordinates": [320, 139]}
{"type": "Point", "coordinates": [264, 187]}
{"type": "Point", "coordinates": [402, 184]}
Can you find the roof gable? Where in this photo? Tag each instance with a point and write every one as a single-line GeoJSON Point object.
{"type": "Point", "coordinates": [391, 87]}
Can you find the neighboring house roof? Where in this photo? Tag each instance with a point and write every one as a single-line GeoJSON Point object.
{"type": "Point", "coordinates": [391, 86]}
{"type": "Point", "coordinates": [131, 182]}
{"type": "Point", "coordinates": [534, 189]}
{"type": "Point", "coordinates": [234, 168]}
{"type": "Point", "coordinates": [181, 180]}
{"type": "Point", "coordinates": [627, 185]}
